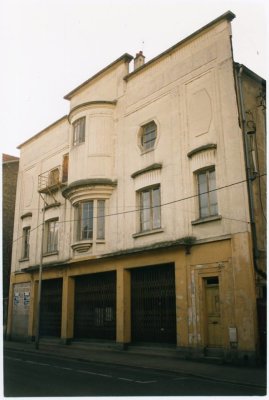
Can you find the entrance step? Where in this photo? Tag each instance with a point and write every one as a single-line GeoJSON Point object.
{"type": "Point", "coordinates": [164, 351]}
{"type": "Point", "coordinates": [213, 352]}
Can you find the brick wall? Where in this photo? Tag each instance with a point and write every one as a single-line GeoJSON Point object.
{"type": "Point", "coordinates": [10, 173]}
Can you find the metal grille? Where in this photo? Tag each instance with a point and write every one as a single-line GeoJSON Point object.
{"type": "Point", "coordinates": [95, 306]}
{"type": "Point", "coordinates": [153, 304]}
{"type": "Point", "coordinates": [51, 308]}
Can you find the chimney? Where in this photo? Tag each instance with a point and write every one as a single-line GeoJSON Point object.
{"type": "Point", "coordinates": [139, 60]}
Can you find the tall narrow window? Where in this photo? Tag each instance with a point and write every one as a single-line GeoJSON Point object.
{"type": "Point", "coordinates": [150, 210]}
{"type": "Point", "coordinates": [52, 228]}
{"type": "Point", "coordinates": [208, 205]}
{"type": "Point", "coordinates": [54, 177]}
{"type": "Point", "coordinates": [149, 134]}
{"type": "Point", "coordinates": [65, 168]}
{"type": "Point", "coordinates": [25, 242]}
{"type": "Point", "coordinates": [79, 131]}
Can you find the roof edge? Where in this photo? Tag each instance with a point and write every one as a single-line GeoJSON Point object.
{"type": "Point", "coordinates": [124, 57]}
{"type": "Point", "coordinates": [250, 73]}
{"type": "Point", "coordinates": [43, 130]}
{"type": "Point", "coordinates": [229, 16]}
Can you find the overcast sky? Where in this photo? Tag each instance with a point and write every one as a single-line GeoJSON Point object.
{"type": "Point", "coordinates": [48, 47]}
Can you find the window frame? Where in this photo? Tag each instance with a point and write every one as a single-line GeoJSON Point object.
{"type": "Point", "coordinates": [96, 219]}
{"type": "Point", "coordinates": [50, 237]}
{"type": "Point", "coordinates": [26, 242]}
{"type": "Point", "coordinates": [210, 194]}
{"type": "Point", "coordinates": [145, 133]}
{"type": "Point", "coordinates": [79, 126]}
{"type": "Point", "coordinates": [152, 212]}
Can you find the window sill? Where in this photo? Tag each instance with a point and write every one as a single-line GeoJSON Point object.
{"type": "Point", "coordinates": [206, 219]}
{"type": "Point", "coordinates": [145, 233]}
{"type": "Point", "coordinates": [51, 253]}
{"type": "Point", "coordinates": [146, 151]}
{"type": "Point", "coordinates": [24, 259]}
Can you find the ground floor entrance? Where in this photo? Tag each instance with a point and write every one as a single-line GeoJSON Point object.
{"type": "Point", "coordinates": [201, 301]}
{"type": "Point", "coordinates": [212, 312]}
{"type": "Point", "coordinates": [51, 308]}
{"type": "Point", "coordinates": [153, 306]}
{"type": "Point", "coordinates": [95, 306]}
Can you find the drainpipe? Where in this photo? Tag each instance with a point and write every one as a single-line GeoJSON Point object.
{"type": "Point", "coordinates": [249, 177]}
{"type": "Point", "coordinates": [37, 331]}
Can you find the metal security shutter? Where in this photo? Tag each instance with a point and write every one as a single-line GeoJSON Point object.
{"type": "Point", "coordinates": [51, 308]}
{"type": "Point", "coordinates": [95, 306]}
{"type": "Point", "coordinates": [153, 304]}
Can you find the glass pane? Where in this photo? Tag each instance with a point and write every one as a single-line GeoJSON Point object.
{"type": "Point", "coordinates": [101, 219]}
{"type": "Point", "coordinates": [149, 135]}
{"type": "Point", "coordinates": [145, 212]}
{"type": "Point", "coordinates": [203, 201]}
{"type": "Point", "coordinates": [213, 205]}
{"type": "Point", "coordinates": [202, 181]}
{"type": "Point", "coordinates": [26, 238]}
{"type": "Point", "coordinates": [52, 241]}
{"type": "Point", "coordinates": [86, 220]}
{"type": "Point", "coordinates": [156, 210]}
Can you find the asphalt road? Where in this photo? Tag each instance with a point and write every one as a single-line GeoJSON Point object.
{"type": "Point", "coordinates": [36, 375]}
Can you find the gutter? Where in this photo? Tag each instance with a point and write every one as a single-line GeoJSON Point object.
{"type": "Point", "coordinates": [239, 69]}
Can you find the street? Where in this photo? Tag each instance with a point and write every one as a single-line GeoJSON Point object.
{"type": "Point", "coordinates": [27, 374]}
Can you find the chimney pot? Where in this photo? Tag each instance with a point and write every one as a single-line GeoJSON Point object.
{"type": "Point", "coordinates": [139, 60]}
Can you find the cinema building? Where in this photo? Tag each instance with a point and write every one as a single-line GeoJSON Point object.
{"type": "Point", "coordinates": [144, 207]}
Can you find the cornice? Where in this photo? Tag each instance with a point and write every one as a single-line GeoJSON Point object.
{"type": "Point", "coordinates": [209, 146]}
{"type": "Point", "coordinates": [90, 104]}
{"type": "Point", "coordinates": [147, 169]}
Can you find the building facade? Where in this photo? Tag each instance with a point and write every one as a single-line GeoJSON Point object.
{"type": "Point", "coordinates": [137, 207]}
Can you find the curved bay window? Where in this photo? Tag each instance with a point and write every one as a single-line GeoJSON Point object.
{"type": "Point", "coordinates": [91, 220]}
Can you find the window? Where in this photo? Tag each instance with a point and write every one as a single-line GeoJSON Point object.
{"type": "Point", "coordinates": [79, 131]}
{"type": "Point", "coordinates": [26, 242]}
{"type": "Point", "coordinates": [150, 210]}
{"type": "Point", "coordinates": [54, 177]}
{"type": "Point", "coordinates": [65, 168]}
{"type": "Point", "coordinates": [91, 220]}
{"type": "Point", "coordinates": [52, 228]}
{"type": "Point", "coordinates": [207, 193]}
{"type": "Point", "coordinates": [148, 136]}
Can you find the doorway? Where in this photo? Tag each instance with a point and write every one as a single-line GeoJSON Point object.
{"type": "Point", "coordinates": [212, 312]}
{"type": "Point", "coordinates": [153, 304]}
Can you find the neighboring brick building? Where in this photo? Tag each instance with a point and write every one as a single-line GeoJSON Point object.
{"type": "Point", "coordinates": [10, 173]}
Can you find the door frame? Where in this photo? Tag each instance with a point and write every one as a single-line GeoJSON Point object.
{"type": "Point", "coordinates": [202, 276]}
{"type": "Point", "coordinates": [206, 333]}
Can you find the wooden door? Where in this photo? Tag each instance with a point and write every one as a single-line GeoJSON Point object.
{"type": "Point", "coordinates": [213, 316]}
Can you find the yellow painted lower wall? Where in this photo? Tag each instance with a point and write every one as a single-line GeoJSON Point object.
{"type": "Point", "coordinates": [214, 295]}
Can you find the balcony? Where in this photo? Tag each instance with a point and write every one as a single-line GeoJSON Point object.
{"type": "Point", "coordinates": [52, 180]}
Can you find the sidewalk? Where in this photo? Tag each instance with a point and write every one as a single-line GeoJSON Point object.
{"type": "Point", "coordinates": [109, 354]}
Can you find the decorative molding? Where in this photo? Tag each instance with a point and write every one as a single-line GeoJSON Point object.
{"type": "Point", "coordinates": [89, 188]}
{"type": "Point", "coordinates": [147, 169]}
{"type": "Point", "coordinates": [81, 247]}
{"type": "Point", "coordinates": [48, 206]}
{"type": "Point", "coordinates": [202, 148]}
{"type": "Point", "coordinates": [27, 215]}
{"type": "Point", "coordinates": [90, 104]}
{"type": "Point", "coordinates": [145, 233]}
{"type": "Point", "coordinates": [207, 219]}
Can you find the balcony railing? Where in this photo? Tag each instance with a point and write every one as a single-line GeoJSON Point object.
{"type": "Point", "coordinates": [52, 180]}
